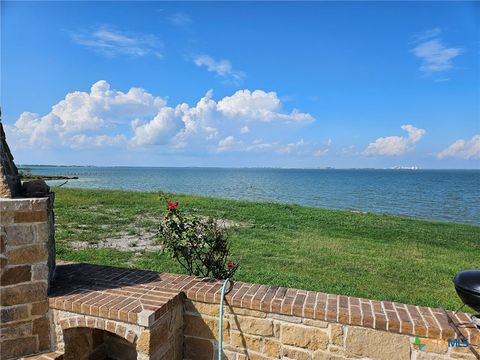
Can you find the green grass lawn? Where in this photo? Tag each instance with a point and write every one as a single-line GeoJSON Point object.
{"type": "Point", "coordinates": [366, 255]}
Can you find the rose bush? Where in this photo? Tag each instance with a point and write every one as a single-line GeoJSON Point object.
{"type": "Point", "coordinates": [199, 244]}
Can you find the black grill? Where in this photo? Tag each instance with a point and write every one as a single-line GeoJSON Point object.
{"type": "Point", "coordinates": [467, 284]}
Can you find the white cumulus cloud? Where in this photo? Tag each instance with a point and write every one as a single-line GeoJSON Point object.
{"type": "Point", "coordinates": [259, 105]}
{"type": "Point", "coordinates": [103, 106]}
{"type": "Point", "coordinates": [469, 149]}
{"type": "Point", "coordinates": [396, 145]}
{"type": "Point", "coordinates": [107, 117]}
{"type": "Point", "coordinates": [205, 120]}
{"type": "Point", "coordinates": [160, 130]}
{"type": "Point", "coordinates": [99, 110]}
{"type": "Point", "coordinates": [33, 129]}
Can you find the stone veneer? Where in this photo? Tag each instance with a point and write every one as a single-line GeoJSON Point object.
{"type": "Point", "coordinates": [27, 252]}
{"type": "Point", "coordinates": [253, 334]}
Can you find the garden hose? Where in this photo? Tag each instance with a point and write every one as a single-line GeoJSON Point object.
{"type": "Point", "coordinates": [228, 280]}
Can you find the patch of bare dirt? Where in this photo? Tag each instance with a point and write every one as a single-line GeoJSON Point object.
{"type": "Point", "coordinates": [138, 239]}
{"type": "Point", "coordinates": [124, 241]}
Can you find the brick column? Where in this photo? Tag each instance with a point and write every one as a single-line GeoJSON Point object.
{"type": "Point", "coordinates": [27, 262]}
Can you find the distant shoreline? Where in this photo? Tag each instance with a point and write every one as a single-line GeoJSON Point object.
{"type": "Point", "coordinates": [20, 167]}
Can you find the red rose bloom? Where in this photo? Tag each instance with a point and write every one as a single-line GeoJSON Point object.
{"type": "Point", "coordinates": [230, 264]}
{"type": "Point", "coordinates": [172, 206]}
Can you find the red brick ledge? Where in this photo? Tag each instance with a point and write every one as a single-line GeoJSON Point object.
{"type": "Point", "coordinates": [382, 315]}
{"type": "Point", "coordinates": [126, 295]}
{"type": "Point", "coordinates": [151, 288]}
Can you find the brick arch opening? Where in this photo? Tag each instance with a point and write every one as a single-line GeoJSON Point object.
{"type": "Point", "coordinates": [99, 324]}
{"type": "Point", "coordinates": [84, 343]}
{"type": "Point", "coordinates": [90, 338]}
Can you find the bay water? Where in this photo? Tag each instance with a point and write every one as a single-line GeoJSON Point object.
{"type": "Point", "coordinates": [444, 195]}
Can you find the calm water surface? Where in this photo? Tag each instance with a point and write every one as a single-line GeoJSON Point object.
{"type": "Point", "coordinates": [445, 195]}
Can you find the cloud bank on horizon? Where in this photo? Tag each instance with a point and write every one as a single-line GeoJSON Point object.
{"type": "Point", "coordinates": [82, 118]}
{"type": "Point", "coordinates": [98, 118]}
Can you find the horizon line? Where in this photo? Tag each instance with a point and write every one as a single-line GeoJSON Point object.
{"type": "Point", "coordinates": [409, 168]}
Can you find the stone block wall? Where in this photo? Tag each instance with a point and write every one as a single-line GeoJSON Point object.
{"type": "Point", "coordinates": [264, 335]}
{"type": "Point", "coordinates": [163, 340]}
{"type": "Point", "coordinates": [27, 252]}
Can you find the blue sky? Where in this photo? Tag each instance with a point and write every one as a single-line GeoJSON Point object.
{"type": "Point", "coordinates": [314, 84]}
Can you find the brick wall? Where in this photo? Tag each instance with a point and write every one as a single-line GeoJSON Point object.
{"type": "Point", "coordinates": [27, 252]}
